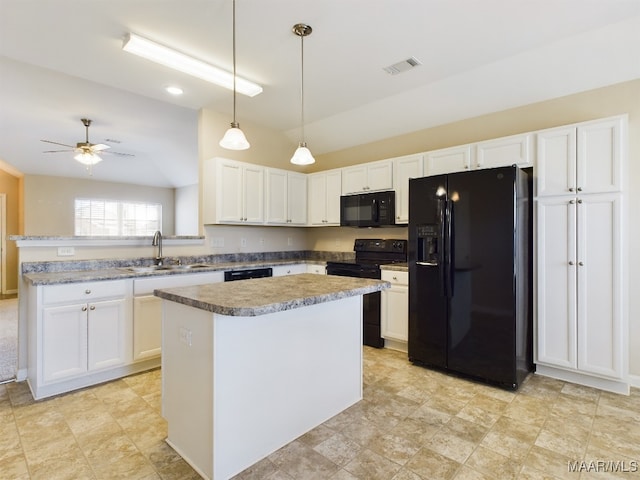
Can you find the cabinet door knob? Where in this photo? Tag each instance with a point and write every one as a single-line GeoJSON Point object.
{"type": "Point", "coordinates": [581, 264]}
{"type": "Point", "coordinates": [87, 291]}
{"type": "Point", "coordinates": [571, 189]}
{"type": "Point", "coordinates": [84, 309]}
{"type": "Point", "coordinates": [571, 262]}
{"type": "Point", "coordinates": [579, 200]}
{"type": "Point", "coordinates": [579, 189]}
{"type": "Point", "coordinates": [92, 307]}
{"type": "Point", "coordinates": [572, 202]}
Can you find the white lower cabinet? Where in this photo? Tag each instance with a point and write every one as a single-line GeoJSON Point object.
{"type": "Point", "coordinates": [64, 341]}
{"type": "Point", "coordinates": [580, 323]}
{"type": "Point", "coordinates": [394, 306]}
{"type": "Point", "coordinates": [147, 309]}
{"type": "Point", "coordinates": [317, 269]}
{"type": "Point", "coordinates": [83, 337]}
{"type": "Point", "coordinates": [78, 330]}
{"type": "Point", "coordinates": [293, 269]}
{"type": "Point", "coordinates": [147, 327]}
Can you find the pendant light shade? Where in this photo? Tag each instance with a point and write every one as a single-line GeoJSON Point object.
{"type": "Point", "coordinates": [302, 155]}
{"type": "Point", "coordinates": [234, 138]}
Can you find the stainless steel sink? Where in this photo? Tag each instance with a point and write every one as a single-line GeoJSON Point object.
{"type": "Point", "coordinates": [188, 266]}
{"type": "Point", "coordinates": [155, 268]}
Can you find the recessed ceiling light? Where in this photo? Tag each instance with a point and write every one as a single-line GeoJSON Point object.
{"type": "Point", "coordinates": [174, 90]}
{"type": "Point", "coordinates": [186, 64]}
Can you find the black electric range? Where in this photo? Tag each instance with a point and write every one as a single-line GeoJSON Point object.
{"type": "Point", "coordinates": [370, 254]}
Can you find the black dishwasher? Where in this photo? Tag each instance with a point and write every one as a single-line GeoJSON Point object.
{"type": "Point", "coordinates": [232, 275]}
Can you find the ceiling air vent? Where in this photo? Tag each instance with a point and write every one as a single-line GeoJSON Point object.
{"type": "Point", "coordinates": [402, 66]}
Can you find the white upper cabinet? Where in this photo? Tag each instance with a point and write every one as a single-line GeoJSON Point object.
{"type": "Point", "coordinates": [276, 196]}
{"type": "Point", "coordinates": [233, 192]}
{"type": "Point", "coordinates": [324, 197]}
{"type": "Point", "coordinates": [297, 198]}
{"type": "Point", "coordinates": [499, 152]}
{"type": "Point", "coordinates": [405, 168]}
{"type": "Point", "coordinates": [505, 151]}
{"type": "Point", "coordinates": [448, 160]}
{"type": "Point", "coordinates": [583, 158]}
{"type": "Point", "coordinates": [286, 197]}
{"type": "Point", "coordinates": [367, 177]}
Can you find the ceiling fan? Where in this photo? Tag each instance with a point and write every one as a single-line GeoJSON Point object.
{"type": "Point", "coordinates": [87, 152]}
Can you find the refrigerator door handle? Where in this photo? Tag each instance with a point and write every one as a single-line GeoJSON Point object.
{"type": "Point", "coordinates": [427, 264]}
{"type": "Point", "coordinates": [441, 263]}
{"type": "Point", "coordinates": [448, 249]}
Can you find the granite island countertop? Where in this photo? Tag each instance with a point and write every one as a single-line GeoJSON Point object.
{"type": "Point", "coordinates": [260, 296]}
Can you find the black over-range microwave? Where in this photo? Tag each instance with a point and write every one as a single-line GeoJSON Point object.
{"type": "Point", "coordinates": [375, 209]}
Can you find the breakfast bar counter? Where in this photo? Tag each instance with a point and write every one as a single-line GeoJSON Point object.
{"type": "Point", "coordinates": [249, 366]}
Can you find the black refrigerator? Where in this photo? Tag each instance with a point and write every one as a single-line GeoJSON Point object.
{"type": "Point", "coordinates": [470, 274]}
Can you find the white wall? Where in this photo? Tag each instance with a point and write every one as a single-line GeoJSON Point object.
{"type": "Point", "coordinates": [49, 201]}
{"type": "Point", "coordinates": [186, 210]}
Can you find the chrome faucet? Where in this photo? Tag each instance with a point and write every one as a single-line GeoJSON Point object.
{"type": "Point", "coordinates": [157, 242]}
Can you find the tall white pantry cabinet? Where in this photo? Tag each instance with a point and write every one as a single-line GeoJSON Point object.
{"type": "Point", "coordinates": [581, 333]}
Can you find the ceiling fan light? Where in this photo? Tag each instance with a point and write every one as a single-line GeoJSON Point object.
{"type": "Point", "coordinates": [183, 63]}
{"type": "Point", "coordinates": [302, 155]}
{"type": "Point", "coordinates": [87, 158]}
{"type": "Point", "coordinates": [234, 139]}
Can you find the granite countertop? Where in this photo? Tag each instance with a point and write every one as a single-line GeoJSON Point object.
{"type": "Point", "coordinates": [118, 273]}
{"type": "Point", "coordinates": [398, 267]}
{"type": "Point", "coordinates": [260, 296]}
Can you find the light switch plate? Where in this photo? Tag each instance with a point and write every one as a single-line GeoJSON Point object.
{"type": "Point", "coordinates": [66, 251]}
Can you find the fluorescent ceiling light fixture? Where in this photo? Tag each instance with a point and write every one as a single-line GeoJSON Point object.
{"type": "Point", "coordinates": [174, 90]}
{"type": "Point", "coordinates": [189, 65]}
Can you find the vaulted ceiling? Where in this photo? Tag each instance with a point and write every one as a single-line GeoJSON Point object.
{"type": "Point", "coordinates": [61, 60]}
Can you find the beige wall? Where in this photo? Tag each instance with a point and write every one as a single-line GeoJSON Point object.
{"type": "Point", "coordinates": [10, 186]}
{"type": "Point", "coordinates": [49, 201]}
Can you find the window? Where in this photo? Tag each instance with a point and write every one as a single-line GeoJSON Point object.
{"type": "Point", "coordinates": [115, 218]}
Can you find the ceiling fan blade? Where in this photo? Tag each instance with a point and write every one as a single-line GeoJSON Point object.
{"type": "Point", "coordinates": [56, 151]}
{"type": "Point", "coordinates": [120, 154]}
{"type": "Point", "coordinates": [58, 143]}
{"type": "Point", "coordinates": [99, 146]}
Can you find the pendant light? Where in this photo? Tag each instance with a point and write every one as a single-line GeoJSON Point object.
{"type": "Point", "coordinates": [302, 155]}
{"type": "Point", "coordinates": [234, 138]}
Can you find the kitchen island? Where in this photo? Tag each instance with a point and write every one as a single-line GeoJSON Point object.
{"type": "Point", "coordinates": [249, 366]}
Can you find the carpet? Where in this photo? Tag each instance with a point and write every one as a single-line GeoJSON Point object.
{"type": "Point", "coordinates": [8, 339]}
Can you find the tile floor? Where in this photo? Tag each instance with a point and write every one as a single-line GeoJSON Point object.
{"type": "Point", "coordinates": [412, 424]}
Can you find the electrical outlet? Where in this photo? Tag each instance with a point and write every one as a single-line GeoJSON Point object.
{"type": "Point", "coordinates": [337, 242]}
{"type": "Point", "coordinates": [217, 242]}
{"type": "Point", "coordinates": [66, 251]}
{"type": "Point", "coordinates": [185, 336]}
{"type": "Point", "coordinates": [289, 241]}
{"type": "Point", "coordinates": [243, 242]}
{"type": "Point", "coordinates": [261, 242]}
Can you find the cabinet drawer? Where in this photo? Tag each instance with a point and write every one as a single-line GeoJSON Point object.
{"type": "Point", "coordinates": [83, 292]}
{"type": "Point", "coordinates": [146, 286]}
{"type": "Point", "coordinates": [395, 277]}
